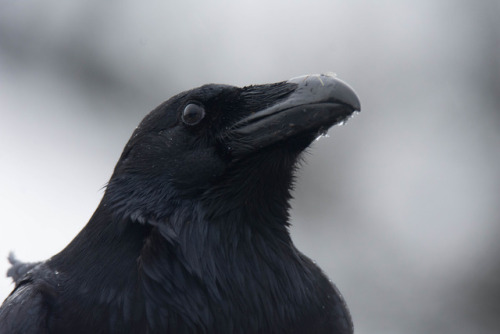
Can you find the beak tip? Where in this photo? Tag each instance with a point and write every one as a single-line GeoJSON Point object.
{"type": "Point", "coordinates": [328, 86]}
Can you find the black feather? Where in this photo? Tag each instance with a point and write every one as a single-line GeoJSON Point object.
{"type": "Point", "coordinates": [191, 235]}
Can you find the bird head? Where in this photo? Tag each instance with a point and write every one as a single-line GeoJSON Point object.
{"type": "Point", "coordinates": [226, 142]}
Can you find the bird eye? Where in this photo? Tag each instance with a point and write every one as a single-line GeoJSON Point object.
{"type": "Point", "coordinates": [193, 114]}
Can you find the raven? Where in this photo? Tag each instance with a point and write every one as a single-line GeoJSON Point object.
{"type": "Point", "coordinates": [191, 235]}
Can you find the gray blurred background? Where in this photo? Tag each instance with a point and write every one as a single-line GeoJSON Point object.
{"type": "Point", "coordinates": [400, 206]}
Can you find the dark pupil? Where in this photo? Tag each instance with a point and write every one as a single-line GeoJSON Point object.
{"type": "Point", "coordinates": [193, 114]}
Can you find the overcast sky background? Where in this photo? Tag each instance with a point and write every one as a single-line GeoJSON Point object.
{"type": "Point", "coordinates": [400, 206]}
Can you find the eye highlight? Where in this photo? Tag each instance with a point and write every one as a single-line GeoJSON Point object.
{"type": "Point", "coordinates": [193, 114]}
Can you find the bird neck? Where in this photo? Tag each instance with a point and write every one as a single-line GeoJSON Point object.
{"type": "Point", "coordinates": [196, 262]}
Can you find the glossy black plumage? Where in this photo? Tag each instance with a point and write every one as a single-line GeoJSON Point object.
{"type": "Point", "coordinates": [191, 234]}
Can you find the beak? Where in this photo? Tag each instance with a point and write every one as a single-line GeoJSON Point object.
{"type": "Point", "coordinates": [317, 103]}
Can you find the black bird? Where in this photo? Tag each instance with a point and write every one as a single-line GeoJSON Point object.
{"type": "Point", "coordinates": [191, 235]}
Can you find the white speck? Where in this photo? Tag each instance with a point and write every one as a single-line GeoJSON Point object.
{"type": "Point", "coordinates": [331, 74]}
{"type": "Point", "coordinates": [319, 78]}
{"type": "Point", "coordinates": [322, 133]}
